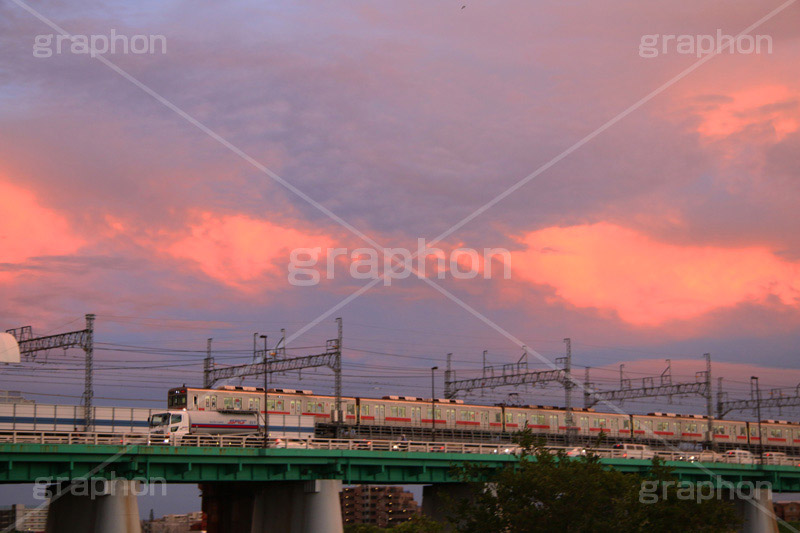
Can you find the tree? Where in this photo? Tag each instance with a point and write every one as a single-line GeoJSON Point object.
{"type": "Point", "coordinates": [418, 524]}
{"type": "Point", "coordinates": [545, 492]}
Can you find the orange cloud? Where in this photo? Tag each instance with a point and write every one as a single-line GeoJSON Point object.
{"type": "Point", "coordinates": [775, 105]}
{"type": "Point", "coordinates": [648, 282]}
{"type": "Point", "coordinates": [27, 229]}
{"type": "Point", "coordinates": [238, 250]}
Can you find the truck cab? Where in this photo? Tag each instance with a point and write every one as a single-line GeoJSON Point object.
{"type": "Point", "coordinates": [168, 427]}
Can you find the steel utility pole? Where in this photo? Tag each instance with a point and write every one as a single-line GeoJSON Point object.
{"type": "Point", "coordinates": [709, 401]}
{"type": "Point", "coordinates": [88, 389]}
{"type": "Point", "coordinates": [337, 377]}
{"type": "Point", "coordinates": [754, 385]}
{"type": "Point", "coordinates": [433, 403]}
{"type": "Point", "coordinates": [208, 366]}
{"type": "Point", "coordinates": [29, 346]}
{"type": "Point", "coordinates": [568, 416]}
{"type": "Point", "coordinates": [266, 396]}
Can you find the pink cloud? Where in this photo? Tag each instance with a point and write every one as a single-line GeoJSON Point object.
{"type": "Point", "coordinates": [29, 229]}
{"type": "Point", "coordinates": [772, 105]}
{"type": "Point", "coordinates": [239, 250]}
{"type": "Point", "coordinates": [647, 282]}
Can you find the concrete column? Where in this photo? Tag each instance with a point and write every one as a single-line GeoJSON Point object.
{"type": "Point", "coordinates": [322, 510]}
{"type": "Point", "coordinates": [437, 500]}
{"type": "Point", "coordinates": [274, 507]}
{"type": "Point", "coordinates": [758, 513]}
{"type": "Point", "coordinates": [94, 506]}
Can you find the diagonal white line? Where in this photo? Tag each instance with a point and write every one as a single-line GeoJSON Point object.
{"type": "Point", "coordinates": [88, 475]}
{"type": "Point", "coordinates": [672, 81]}
{"type": "Point", "coordinates": [614, 407]}
{"type": "Point", "coordinates": [559, 158]}
{"type": "Point", "coordinates": [458, 225]}
{"type": "Point", "coordinates": [208, 131]}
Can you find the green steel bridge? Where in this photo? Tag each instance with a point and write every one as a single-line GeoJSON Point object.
{"type": "Point", "coordinates": [32, 462]}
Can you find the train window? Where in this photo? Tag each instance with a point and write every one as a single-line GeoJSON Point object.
{"type": "Point", "coordinates": [250, 404]}
{"type": "Point", "coordinates": [351, 409]}
{"type": "Point", "coordinates": [498, 417]}
{"type": "Point", "coordinates": [365, 410]}
{"type": "Point", "coordinates": [743, 431]}
{"type": "Point", "coordinates": [214, 401]}
{"type": "Point", "coordinates": [521, 418]}
{"type": "Point", "coordinates": [692, 428]}
{"type": "Point", "coordinates": [207, 401]}
{"type": "Point", "coordinates": [402, 411]}
{"type": "Point", "coordinates": [228, 402]}
{"type": "Point", "coordinates": [601, 422]}
{"type": "Point", "coordinates": [509, 418]}
{"type": "Point", "coordinates": [662, 426]}
{"type": "Point", "coordinates": [257, 405]}
{"type": "Point", "coordinates": [438, 413]}
{"type": "Point", "coordinates": [754, 431]}
{"type": "Point", "coordinates": [279, 405]}
{"type": "Point", "coordinates": [320, 407]}
{"type": "Point", "coordinates": [719, 430]}
{"type": "Point", "coordinates": [393, 410]}
{"type": "Point", "coordinates": [626, 424]}
{"type": "Point", "coordinates": [776, 432]}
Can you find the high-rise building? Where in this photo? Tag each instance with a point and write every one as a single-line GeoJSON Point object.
{"type": "Point", "coordinates": [174, 523]}
{"type": "Point", "coordinates": [380, 505]}
{"type": "Point", "coordinates": [13, 396]}
{"type": "Point", "coordinates": [17, 517]}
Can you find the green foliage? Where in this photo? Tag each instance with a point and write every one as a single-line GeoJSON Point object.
{"type": "Point", "coordinates": [418, 524]}
{"type": "Point", "coordinates": [546, 492]}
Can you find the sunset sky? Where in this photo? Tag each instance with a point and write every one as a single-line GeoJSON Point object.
{"type": "Point", "coordinates": [151, 189]}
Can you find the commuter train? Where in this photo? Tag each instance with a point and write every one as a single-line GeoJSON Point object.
{"type": "Point", "coordinates": [392, 416]}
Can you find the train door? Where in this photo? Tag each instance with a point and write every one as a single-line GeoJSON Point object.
{"type": "Point", "coordinates": [451, 418]}
{"type": "Point", "coordinates": [380, 414]}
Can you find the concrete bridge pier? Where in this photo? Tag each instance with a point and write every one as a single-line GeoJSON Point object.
{"type": "Point", "coordinates": [757, 511]}
{"type": "Point", "coordinates": [274, 507]}
{"type": "Point", "coordinates": [94, 506]}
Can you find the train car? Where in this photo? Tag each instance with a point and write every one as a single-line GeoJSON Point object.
{"type": "Point", "coordinates": [593, 423]}
{"type": "Point", "coordinates": [43, 417]}
{"type": "Point", "coordinates": [669, 427]}
{"type": "Point", "coordinates": [237, 398]}
{"type": "Point", "coordinates": [776, 433]}
{"type": "Point", "coordinates": [171, 426]}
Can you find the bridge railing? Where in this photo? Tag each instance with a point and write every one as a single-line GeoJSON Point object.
{"type": "Point", "coordinates": [256, 441]}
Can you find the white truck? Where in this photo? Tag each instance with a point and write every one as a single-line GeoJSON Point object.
{"type": "Point", "coordinates": [169, 427]}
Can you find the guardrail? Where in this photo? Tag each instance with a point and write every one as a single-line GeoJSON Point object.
{"type": "Point", "coordinates": [257, 441]}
